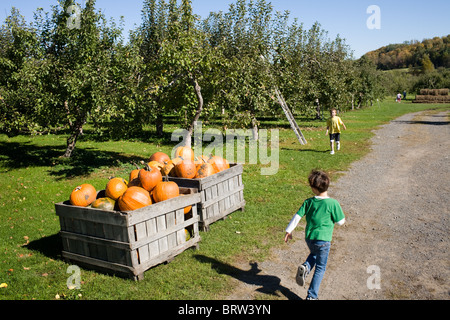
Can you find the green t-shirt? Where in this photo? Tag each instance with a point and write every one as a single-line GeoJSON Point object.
{"type": "Point", "coordinates": [321, 215]}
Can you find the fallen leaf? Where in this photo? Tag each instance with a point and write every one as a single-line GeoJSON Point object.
{"type": "Point", "coordinates": [3, 285]}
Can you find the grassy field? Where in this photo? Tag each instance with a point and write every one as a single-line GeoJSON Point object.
{"type": "Point", "coordinates": [33, 178]}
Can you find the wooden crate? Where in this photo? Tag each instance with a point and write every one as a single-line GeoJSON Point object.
{"type": "Point", "coordinates": [221, 194]}
{"type": "Point", "coordinates": [129, 243]}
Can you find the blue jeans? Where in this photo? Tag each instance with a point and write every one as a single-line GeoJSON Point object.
{"type": "Point", "coordinates": [318, 258]}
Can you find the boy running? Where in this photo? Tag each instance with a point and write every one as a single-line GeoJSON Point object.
{"type": "Point", "coordinates": [334, 130]}
{"type": "Point", "coordinates": [322, 213]}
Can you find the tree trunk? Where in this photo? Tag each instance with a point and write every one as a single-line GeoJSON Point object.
{"type": "Point", "coordinates": [72, 140]}
{"type": "Point", "coordinates": [318, 117]}
{"type": "Point", "coordinates": [160, 123]}
{"type": "Point", "coordinates": [198, 92]}
{"type": "Point", "coordinates": [255, 129]}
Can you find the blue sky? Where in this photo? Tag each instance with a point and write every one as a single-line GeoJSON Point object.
{"type": "Point", "coordinates": [400, 20]}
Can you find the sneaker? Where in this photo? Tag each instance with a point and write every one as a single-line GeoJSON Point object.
{"type": "Point", "coordinates": [301, 275]}
{"type": "Point", "coordinates": [311, 298]}
{"type": "Point", "coordinates": [332, 152]}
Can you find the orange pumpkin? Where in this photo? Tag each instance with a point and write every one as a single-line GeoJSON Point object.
{"type": "Point", "coordinates": [83, 195]}
{"type": "Point", "coordinates": [156, 164]}
{"type": "Point", "coordinates": [219, 164]}
{"type": "Point", "coordinates": [169, 167]}
{"type": "Point", "coordinates": [134, 198]}
{"type": "Point", "coordinates": [115, 188]}
{"type": "Point", "coordinates": [165, 191]}
{"type": "Point", "coordinates": [149, 178]}
{"type": "Point", "coordinates": [185, 153]}
{"type": "Point", "coordinates": [201, 159]}
{"type": "Point", "coordinates": [134, 173]}
{"type": "Point", "coordinates": [134, 177]}
{"type": "Point", "coordinates": [205, 170]}
{"type": "Point", "coordinates": [185, 169]}
{"type": "Point", "coordinates": [161, 157]}
{"type": "Point", "coordinates": [134, 183]}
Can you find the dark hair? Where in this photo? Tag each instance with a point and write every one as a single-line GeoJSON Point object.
{"type": "Point", "coordinates": [319, 180]}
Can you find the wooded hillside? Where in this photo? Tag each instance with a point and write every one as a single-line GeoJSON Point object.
{"type": "Point", "coordinates": [413, 54]}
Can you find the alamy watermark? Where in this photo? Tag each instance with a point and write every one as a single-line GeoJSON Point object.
{"type": "Point", "coordinates": [374, 281]}
{"type": "Point", "coordinates": [74, 281]}
{"type": "Point", "coordinates": [74, 21]}
{"type": "Point", "coordinates": [236, 142]}
{"type": "Point", "coordinates": [374, 20]}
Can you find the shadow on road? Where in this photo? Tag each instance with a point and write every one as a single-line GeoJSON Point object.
{"type": "Point", "coordinates": [268, 284]}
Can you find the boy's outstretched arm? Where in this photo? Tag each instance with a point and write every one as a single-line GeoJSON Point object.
{"type": "Point", "coordinates": [292, 225]}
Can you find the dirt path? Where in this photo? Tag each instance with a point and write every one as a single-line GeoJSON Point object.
{"type": "Point", "coordinates": [396, 203]}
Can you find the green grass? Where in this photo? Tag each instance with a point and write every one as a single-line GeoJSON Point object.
{"type": "Point", "coordinates": [33, 178]}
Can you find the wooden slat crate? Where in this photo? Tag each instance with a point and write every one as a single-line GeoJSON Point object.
{"type": "Point", "coordinates": [221, 194]}
{"type": "Point", "coordinates": [129, 243]}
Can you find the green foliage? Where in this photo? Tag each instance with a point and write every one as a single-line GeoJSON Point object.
{"type": "Point", "coordinates": [19, 65]}
{"type": "Point", "coordinates": [60, 74]}
{"type": "Point", "coordinates": [427, 65]}
{"type": "Point", "coordinates": [437, 79]}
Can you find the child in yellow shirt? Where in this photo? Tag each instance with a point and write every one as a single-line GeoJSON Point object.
{"type": "Point", "coordinates": [334, 130]}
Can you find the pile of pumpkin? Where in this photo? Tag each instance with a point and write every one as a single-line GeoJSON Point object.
{"type": "Point", "coordinates": [147, 186]}
{"type": "Point", "coordinates": [185, 165]}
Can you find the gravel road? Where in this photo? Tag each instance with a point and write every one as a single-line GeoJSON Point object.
{"type": "Point", "coordinates": [395, 244]}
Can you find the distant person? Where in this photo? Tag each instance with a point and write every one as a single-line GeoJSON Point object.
{"type": "Point", "coordinates": [404, 95]}
{"type": "Point", "coordinates": [399, 97]}
{"type": "Point", "coordinates": [322, 213]}
{"type": "Point", "coordinates": [334, 130]}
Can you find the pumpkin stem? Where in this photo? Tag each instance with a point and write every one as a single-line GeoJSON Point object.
{"type": "Point", "coordinates": [134, 163]}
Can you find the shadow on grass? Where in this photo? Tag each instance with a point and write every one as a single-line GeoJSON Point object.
{"type": "Point", "coordinates": [84, 161]}
{"type": "Point", "coordinates": [50, 246]}
{"type": "Point", "coordinates": [304, 150]}
{"type": "Point", "coordinates": [15, 155]}
{"type": "Point", "coordinates": [268, 284]}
